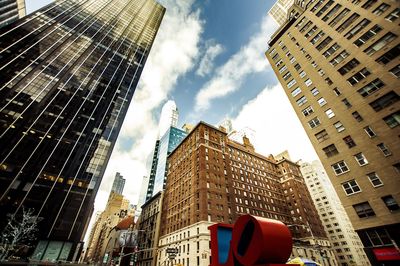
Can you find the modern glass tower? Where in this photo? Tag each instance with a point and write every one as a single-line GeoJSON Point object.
{"type": "Point", "coordinates": [118, 184]}
{"type": "Point", "coordinates": [67, 75]}
{"type": "Point", "coordinates": [10, 11]}
{"type": "Point", "coordinates": [169, 136]}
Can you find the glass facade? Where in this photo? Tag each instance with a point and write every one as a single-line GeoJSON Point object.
{"type": "Point", "coordinates": [67, 75]}
{"type": "Point", "coordinates": [10, 11]}
{"type": "Point", "coordinates": [168, 142]}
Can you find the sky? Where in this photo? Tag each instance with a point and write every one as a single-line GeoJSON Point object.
{"type": "Point", "coordinates": [209, 58]}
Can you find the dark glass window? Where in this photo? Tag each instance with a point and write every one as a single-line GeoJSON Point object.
{"type": "Point", "coordinates": [371, 87]}
{"type": "Point", "coordinates": [392, 120]}
{"type": "Point", "coordinates": [357, 116]}
{"type": "Point", "coordinates": [389, 55]}
{"type": "Point", "coordinates": [362, 74]}
{"type": "Point", "coordinates": [368, 35]}
{"type": "Point", "coordinates": [348, 66]}
{"type": "Point", "coordinates": [322, 135]}
{"type": "Point", "coordinates": [364, 210]}
{"type": "Point", "coordinates": [349, 141]}
{"type": "Point", "coordinates": [390, 203]}
{"type": "Point", "coordinates": [384, 101]}
{"type": "Point", "coordinates": [330, 150]}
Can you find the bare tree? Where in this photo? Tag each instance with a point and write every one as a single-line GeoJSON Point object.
{"type": "Point", "coordinates": [18, 233]}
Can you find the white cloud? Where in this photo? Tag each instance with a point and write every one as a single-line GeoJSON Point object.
{"type": "Point", "coordinates": [249, 59]}
{"type": "Point", "coordinates": [206, 65]}
{"type": "Point", "coordinates": [175, 51]}
{"type": "Point", "coordinates": [276, 125]}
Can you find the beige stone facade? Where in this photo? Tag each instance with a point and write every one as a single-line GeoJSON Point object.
{"type": "Point", "coordinates": [100, 236]}
{"type": "Point", "coordinates": [345, 242]}
{"type": "Point", "coordinates": [338, 64]}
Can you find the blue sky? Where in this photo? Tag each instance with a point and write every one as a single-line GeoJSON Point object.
{"type": "Point", "coordinates": [209, 57]}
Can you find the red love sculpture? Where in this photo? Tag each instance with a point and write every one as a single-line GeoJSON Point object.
{"type": "Point", "coordinates": [251, 241]}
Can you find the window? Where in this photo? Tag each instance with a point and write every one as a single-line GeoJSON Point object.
{"type": "Point", "coordinates": [357, 28]}
{"type": "Point", "coordinates": [351, 187]}
{"type": "Point", "coordinates": [331, 12]}
{"type": "Point", "coordinates": [282, 69]}
{"type": "Point", "coordinates": [337, 91]}
{"type": "Point", "coordinates": [348, 22]}
{"type": "Point", "coordinates": [368, 35]}
{"type": "Point", "coordinates": [346, 103]}
{"type": "Point", "coordinates": [307, 111]}
{"type": "Point", "coordinates": [349, 142]}
{"type": "Point", "coordinates": [330, 150]}
{"type": "Point", "coordinates": [339, 126]}
{"type": "Point", "coordinates": [311, 32]}
{"type": "Point", "coordinates": [324, 43]}
{"type": "Point", "coordinates": [382, 42]}
{"type": "Point", "coordinates": [314, 122]}
{"type": "Point", "coordinates": [360, 75]}
{"type": "Point", "coordinates": [276, 57]}
{"type": "Point", "coordinates": [339, 58]}
{"type": "Point", "coordinates": [287, 76]}
{"type": "Point", "coordinates": [393, 15]}
{"type": "Point", "coordinates": [392, 120]}
{"type": "Point", "coordinates": [340, 167]}
{"type": "Point", "coordinates": [364, 210]}
{"type": "Point", "coordinates": [389, 55]}
{"type": "Point", "coordinates": [384, 149]}
{"type": "Point", "coordinates": [328, 81]}
{"type": "Point", "coordinates": [371, 87]}
{"type": "Point", "coordinates": [375, 237]}
{"type": "Point", "coordinates": [331, 50]}
{"type": "Point", "coordinates": [321, 101]}
{"type": "Point", "coordinates": [296, 92]}
{"type": "Point", "coordinates": [324, 8]}
{"type": "Point", "coordinates": [360, 158]}
{"type": "Point", "coordinates": [297, 67]}
{"type": "Point", "coordinates": [302, 74]}
{"type": "Point", "coordinates": [395, 71]}
{"type": "Point", "coordinates": [308, 82]}
{"type": "Point", "coordinates": [357, 116]}
{"type": "Point", "coordinates": [348, 66]}
{"type": "Point", "coordinates": [321, 136]}
{"type": "Point", "coordinates": [302, 100]}
{"type": "Point", "coordinates": [339, 17]}
{"type": "Point", "coordinates": [368, 4]}
{"type": "Point", "coordinates": [385, 101]}
{"type": "Point", "coordinates": [390, 203]}
{"type": "Point", "coordinates": [291, 83]}
{"type": "Point", "coordinates": [317, 5]}
{"type": "Point", "coordinates": [369, 131]}
{"type": "Point", "coordinates": [306, 26]}
{"type": "Point", "coordinates": [329, 113]}
{"type": "Point", "coordinates": [314, 91]}
{"type": "Point", "coordinates": [317, 37]}
{"type": "Point", "coordinates": [374, 179]}
{"type": "Point", "coordinates": [381, 9]}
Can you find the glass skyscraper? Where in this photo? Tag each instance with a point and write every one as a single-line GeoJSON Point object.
{"type": "Point", "coordinates": [169, 136]}
{"type": "Point", "coordinates": [67, 75]}
{"type": "Point", "coordinates": [118, 184]}
{"type": "Point", "coordinates": [10, 11]}
{"type": "Point", "coordinates": [168, 142]}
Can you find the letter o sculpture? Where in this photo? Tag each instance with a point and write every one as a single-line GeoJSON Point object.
{"type": "Point", "coordinates": [257, 240]}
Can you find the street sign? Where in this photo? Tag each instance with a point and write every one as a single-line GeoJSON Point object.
{"type": "Point", "coordinates": [172, 250]}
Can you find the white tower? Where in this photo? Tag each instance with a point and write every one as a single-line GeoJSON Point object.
{"type": "Point", "coordinates": [168, 118]}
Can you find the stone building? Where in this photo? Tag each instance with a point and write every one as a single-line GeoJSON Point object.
{"type": "Point", "coordinates": [338, 63]}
